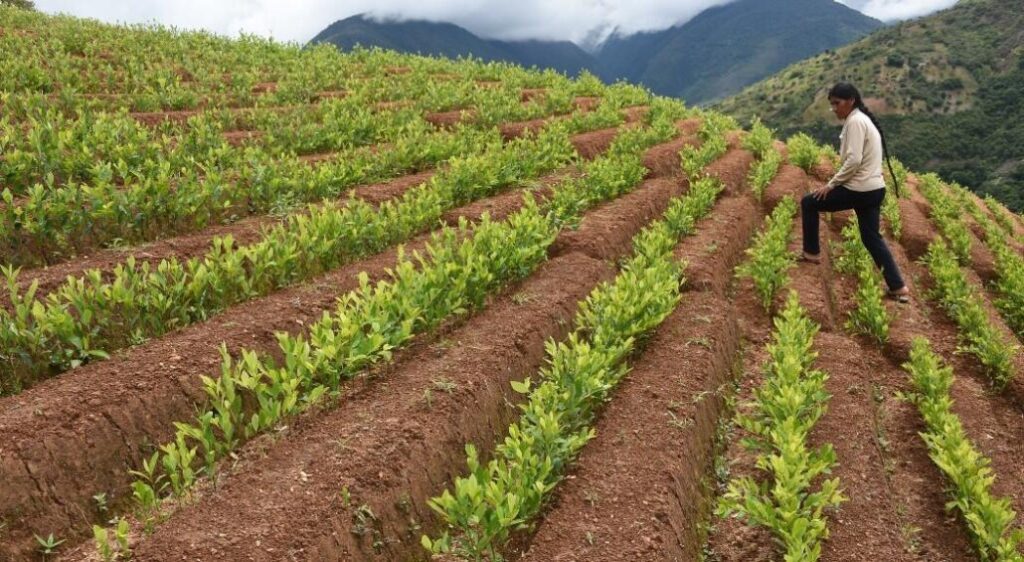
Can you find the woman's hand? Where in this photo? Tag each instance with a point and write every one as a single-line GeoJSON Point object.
{"type": "Point", "coordinates": [821, 193]}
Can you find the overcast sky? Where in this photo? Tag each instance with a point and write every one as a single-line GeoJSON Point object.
{"type": "Point", "coordinates": [300, 20]}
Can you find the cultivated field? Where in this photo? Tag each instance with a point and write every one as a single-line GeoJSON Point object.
{"type": "Point", "coordinates": [271, 303]}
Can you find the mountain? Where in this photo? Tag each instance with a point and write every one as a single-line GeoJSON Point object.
{"type": "Point", "coordinates": [947, 89]}
{"type": "Point", "coordinates": [450, 40]}
{"type": "Point", "coordinates": [712, 56]}
{"type": "Point", "coordinates": [728, 47]}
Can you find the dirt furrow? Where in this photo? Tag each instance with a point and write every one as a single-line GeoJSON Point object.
{"type": "Point", "coordinates": [351, 483]}
{"type": "Point", "coordinates": [992, 420]}
{"type": "Point", "coordinates": [895, 509]}
{"type": "Point", "coordinates": [246, 231]}
{"type": "Point", "coordinates": [918, 233]}
{"type": "Point", "coordinates": [314, 526]}
{"type": "Point", "coordinates": [666, 412]}
{"type": "Point", "coordinates": [146, 388]}
{"type": "Point", "coordinates": [80, 433]}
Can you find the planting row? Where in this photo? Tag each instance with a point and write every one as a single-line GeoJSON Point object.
{"type": "Point", "coordinates": [90, 316]}
{"type": "Point", "coordinates": [508, 492]}
{"type": "Point", "coordinates": [371, 323]}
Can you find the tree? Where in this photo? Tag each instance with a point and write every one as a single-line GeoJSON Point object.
{"type": "Point", "coordinates": [23, 4]}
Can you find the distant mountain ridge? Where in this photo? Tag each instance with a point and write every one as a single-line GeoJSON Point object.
{"type": "Point", "coordinates": [712, 56]}
{"type": "Point", "coordinates": [452, 41]}
{"type": "Point", "coordinates": [947, 88]}
{"type": "Point", "coordinates": [725, 48]}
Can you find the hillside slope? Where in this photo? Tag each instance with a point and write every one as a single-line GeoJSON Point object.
{"type": "Point", "coordinates": [450, 40]}
{"type": "Point", "coordinates": [728, 47]}
{"type": "Point", "coordinates": [947, 87]}
{"type": "Point", "coordinates": [712, 56]}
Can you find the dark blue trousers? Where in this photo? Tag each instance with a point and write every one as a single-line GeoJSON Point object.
{"type": "Point", "coordinates": [868, 206]}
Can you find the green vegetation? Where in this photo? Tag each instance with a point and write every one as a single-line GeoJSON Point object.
{"type": "Point", "coordinates": [713, 144]}
{"type": "Point", "coordinates": [806, 153]}
{"type": "Point", "coordinates": [785, 408]}
{"type": "Point", "coordinates": [510, 490]}
{"type": "Point", "coordinates": [988, 517]}
{"type": "Point", "coordinates": [946, 88]}
{"type": "Point", "coordinates": [23, 4]}
{"type": "Point", "coordinates": [459, 269]}
{"type": "Point", "coordinates": [769, 255]}
{"type": "Point", "coordinates": [90, 316]}
{"type": "Point", "coordinates": [767, 159]}
{"type": "Point", "coordinates": [1009, 281]}
{"type": "Point", "coordinates": [870, 317]}
{"type": "Point", "coordinates": [960, 300]}
{"type": "Point", "coordinates": [947, 213]}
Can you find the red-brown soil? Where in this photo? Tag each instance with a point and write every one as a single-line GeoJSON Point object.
{"type": "Point", "coordinates": [790, 181]}
{"type": "Point", "coordinates": [264, 87]}
{"type": "Point", "coordinates": [329, 95]}
{"type": "Point", "coordinates": [719, 237]}
{"type": "Point", "coordinates": [896, 503]}
{"type": "Point", "coordinates": [732, 169]}
{"type": "Point", "coordinates": [612, 507]}
{"type": "Point", "coordinates": [247, 230]}
{"type": "Point", "coordinates": [918, 232]}
{"type": "Point", "coordinates": [154, 118]}
{"type": "Point", "coordinates": [118, 404]}
{"type": "Point", "coordinates": [606, 231]}
{"type": "Point", "coordinates": [449, 119]}
{"type": "Point", "coordinates": [238, 138]}
{"type": "Point", "coordinates": [518, 129]}
{"type": "Point", "coordinates": [666, 411]}
{"type": "Point", "coordinates": [430, 454]}
{"type": "Point", "coordinates": [664, 160]}
{"type": "Point", "coordinates": [115, 406]}
{"type": "Point", "coordinates": [992, 420]}
{"type": "Point", "coordinates": [530, 94]}
{"type": "Point", "coordinates": [390, 443]}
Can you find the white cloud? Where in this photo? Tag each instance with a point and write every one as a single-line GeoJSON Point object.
{"type": "Point", "coordinates": [889, 10]}
{"type": "Point", "coordinates": [300, 20]}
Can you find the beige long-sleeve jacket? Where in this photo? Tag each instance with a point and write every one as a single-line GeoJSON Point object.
{"type": "Point", "coordinates": [860, 154]}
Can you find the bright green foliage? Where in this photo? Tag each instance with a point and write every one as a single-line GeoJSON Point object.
{"type": "Point", "coordinates": [90, 316]}
{"type": "Point", "coordinates": [1003, 216]}
{"type": "Point", "coordinates": [713, 144]}
{"type": "Point", "coordinates": [946, 212]}
{"type": "Point", "coordinates": [786, 408]}
{"type": "Point", "coordinates": [617, 173]}
{"type": "Point", "coordinates": [767, 158]}
{"type": "Point", "coordinates": [1009, 281]}
{"type": "Point", "coordinates": [899, 179]}
{"type": "Point", "coordinates": [891, 213]}
{"type": "Point", "coordinates": [870, 317]}
{"type": "Point", "coordinates": [509, 491]}
{"type": "Point", "coordinates": [107, 551]}
{"type": "Point", "coordinates": [769, 255]}
{"type": "Point", "coordinates": [978, 336]}
{"type": "Point", "coordinates": [457, 271]}
{"type": "Point", "coordinates": [989, 518]}
{"type": "Point", "coordinates": [763, 171]}
{"type": "Point", "coordinates": [761, 140]}
{"type": "Point", "coordinates": [803, 151]}
{"type": "Point", "coordinates": [79, 172]}
{"type": "Point", "coordinates": [460, 269]}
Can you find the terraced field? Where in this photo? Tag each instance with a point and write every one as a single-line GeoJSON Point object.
{"type": "Point", "coordinates": [271, 303]}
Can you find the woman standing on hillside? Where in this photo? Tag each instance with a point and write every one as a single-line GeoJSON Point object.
{"type": "Point", "coordinates": [858, 185]}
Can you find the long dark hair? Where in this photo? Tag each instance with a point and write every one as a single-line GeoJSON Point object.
{"type": "Point", "coordinates": [847, 91]}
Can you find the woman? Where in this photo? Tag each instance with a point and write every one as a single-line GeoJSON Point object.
{"type": "Point", "coordinates": [858, 185]}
